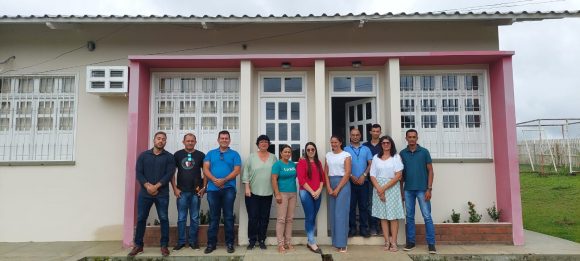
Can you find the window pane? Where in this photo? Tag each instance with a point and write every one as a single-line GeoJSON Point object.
{"type": "Point", "coordinates": [187, 107]}
{"type": "Point", "coordinates": [471, 104]}
{"type": "Point", "coordinates": [472, 82]}
{"type": "Point", "coordinates": [271, 131]}
{"type": "Point", "coordinates": [406, 82]}
{"type": "Point", "coordinates": [282, 111]}
{"type": "Point", "coordinates": [369, 110]}
{"type": "Point", "coordinates": [165, 107]}
{"type": "Point", "coordinates": [449, 82]}
{"type": "Point", "coordinates": [187, 85]}
{"type": "Point", "coordinates": [209, 107]}
{"type": "Point", "coordinates": [359, 112]}
{"type": "Point", "coordinates": [407, 105]}
{"type": "Point", "coordinates": [163, 123]}
{"type": "Point", "coordinates": [25, 86]}
{"type": "Point", "coordinates": [341, 84]}
{"type": "Point", "coordinates": [165, 85]}
{"type": "Point", "coordinates": [209, 123]}
{"type": "Point", "coordinates": [428, 105]}
{"type": "Point", "coordinates": [4, 108]}
{"type": "Point", "coordinates": [230, 106]}
{"type": "Point", "coordinates": [66, 123]}
{"type": "Point", "coordinates": [450, 105]}
{"type": "Point", "coordinates": [473, 121]}
{"type": "Point", "coordinates": [46, 85]}
{"type": "Point", "coordinates": [45, 107]}
{"type": "Point", "coordinates": [5, 86]}
{"type": "Point", "coordinates": [428, 121]}
{"type": "Point", "coordinates": [67, 107]}
{"type": "Point", "coordinates": [230, 123]}
{"type": "Point", "coordinates": [363, 84]}
{"type": "Point", "coordinates": [187, 123]}
{"type": "Point", "coordinates": [293, 84]}
{"type": "Point", "coordinates": [450, 121]}
{"type": "Point", "coordinates": [44, 123]}
{"type": "Point", "coordinates": [272, 85]}
{"type": "Point", "coordinates": [295, 129]}
{"type": "Point", "coordinates": [231, 85]}
{"type": "Point", "coordinates": [272, 149]}
{"type": "Point", "coordinates": [427, 83]}
{"type": "Point", "coordinates": [407, 121]}
{"type": "Point", "coordinates": [295, 152]}
{"type": "Point", "coordinates": [283, 131]}
{"type": "Point", "coordinates": [4, 124]}
{"type": "Point", "coordinates": [24, 108]}
{"type": "Point", "coordinates": [351, 113]}
{"type": "Point", "coordinates": [68, 85]}
{"type": "Point", "coordinates": [295, 111]}
{"type": "Point", "coordinates": [270, 111]}
{"type": "Point", "coordinates": [209, 85]}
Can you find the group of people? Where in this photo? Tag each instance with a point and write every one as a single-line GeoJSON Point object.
{"type": "Point", "coordinates": [349, 176]}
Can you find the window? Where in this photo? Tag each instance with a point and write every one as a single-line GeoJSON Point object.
{"type": "Point", "coordinates": [203, 104]}
{"type": "Point", "coordinates": [283, 111]}
{"type": "Point", "coordinates": [346, 83]}
{"type": "Point", "coordinates": [37, 118]}
{"type": "Point", "coordinates": [452, 120]}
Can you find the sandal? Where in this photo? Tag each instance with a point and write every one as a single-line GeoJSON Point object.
{"type": "Point", "coordinates": [289, 247]}
{"type": "Point", "coordinates": [393, 248]}
{"type": "Point", "coordinates": [387, 246]}
{"type": "Point", "coordinates": [342, 250]}
{"type": "Point", "coordinates": [317, 250]}
{"type": "Point", "coordinates": [281, 249]}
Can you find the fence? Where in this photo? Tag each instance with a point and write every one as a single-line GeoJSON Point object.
{"type": "Point", "coordinates": [550, 152]}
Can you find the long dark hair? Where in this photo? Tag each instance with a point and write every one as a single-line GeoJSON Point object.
{"type": "Point", "coordinates": [339, 138]}
{"type": "Point", "coordinates": [316, 160]}
{"type": "Point", "coordinates": [393, 147]}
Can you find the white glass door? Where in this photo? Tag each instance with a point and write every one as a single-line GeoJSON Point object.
{"type": "Point", "coordinates": [360, 114]}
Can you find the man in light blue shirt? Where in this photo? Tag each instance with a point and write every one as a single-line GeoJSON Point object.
{"type": "Point", "coordinates": [361, 161]}
{"type": "Point", "coordinates": [221, 167]}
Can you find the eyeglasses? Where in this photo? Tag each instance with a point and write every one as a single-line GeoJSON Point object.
{"type": "Point", "coordinates": [386, 142]}
{"type": "Point", "coordinates": [311, 150]}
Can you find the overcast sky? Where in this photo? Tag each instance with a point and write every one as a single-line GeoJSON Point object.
{"type": "Point", "coordinates": [545, 65]}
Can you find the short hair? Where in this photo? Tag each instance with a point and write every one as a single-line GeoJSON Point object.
{"type": "Point", "coordinates": [261, 138]}
{"type": "Point", "coordinates": [353, 128]}
{"type": "Point", "coordinates": [411, 130]}
{"type": "Point", "coordinates": [282, 147]}
{"type": "Point", "coordinates": [224, 132]}
{"type": "Point", "coordinates": [160, 133]}
{"type": "Point", "coordinates": [376, 125]}
{"type": "Point", "coordinates": [189, 134]}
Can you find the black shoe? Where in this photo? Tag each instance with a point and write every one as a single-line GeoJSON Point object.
{"type": "Point", "coordinates": [251, 245]}
{"type": "Point", "coordinates": [366, 234]}
{"type": "Point", "coordinates": [135, 251]}
{"type": "Point", "coordinates": [194, 246]}
{"type": "Point", "coordinates": [178, 247]}
{"type": "Point", "coordinates": [231, 249]}
{"type": "Point", "coordinates": [432, 249]}
{"type": "Point", "coordinates": [351, 233]}
{"type": "Point", "coordinates": [409, 246]}
{"type": "Point", "coordinates": [262, 245]}
{"type": "Point", "coordinates": [209, 249]}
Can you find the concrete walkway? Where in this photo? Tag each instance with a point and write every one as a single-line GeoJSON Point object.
{"type": "Point", "coordinates": [536, 244]}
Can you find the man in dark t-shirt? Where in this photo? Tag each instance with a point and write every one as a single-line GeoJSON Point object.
{"type": "Point", "coordinates": [188, 187]}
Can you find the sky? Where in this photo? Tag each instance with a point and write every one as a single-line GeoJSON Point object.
{"type": "Point", "coordinates": [546, 52]}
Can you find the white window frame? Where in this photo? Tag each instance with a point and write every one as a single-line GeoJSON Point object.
{"type": "Point", "coordinates": [205, 140]}
{"type": "Point", "coordinates": [55, 135]}
{"type": "Point", "coordinates": [438, 151]}
{"type": "Point", "coordinates": [353, 75]}
{"type": "Point", "coordinates": [281, 75]}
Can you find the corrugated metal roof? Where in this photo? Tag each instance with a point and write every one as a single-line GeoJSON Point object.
{"type": "Point", "coordinates": [501, 17]}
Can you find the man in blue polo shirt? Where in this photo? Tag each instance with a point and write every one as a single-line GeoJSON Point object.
{"type": "Point", "coordinates": [418, 182]}
{"type": "Point", "coordinates": [154, 170]}
{"type": "Point", "coordinates": [361, 162]}
{"type": "Point", "coordinates": [221, 166]}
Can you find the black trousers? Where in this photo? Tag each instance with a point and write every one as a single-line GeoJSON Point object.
{"type": "Point", "coordinates": [258, 208]}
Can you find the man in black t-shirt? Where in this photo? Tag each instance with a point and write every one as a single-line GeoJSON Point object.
{"type": "Point", "coordinates": [188, 187]}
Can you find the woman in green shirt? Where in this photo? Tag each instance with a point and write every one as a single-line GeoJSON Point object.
{"type": "Point", "coordinates": [284, 186]}
{"type": "Point", "coordinates": [257, 178]}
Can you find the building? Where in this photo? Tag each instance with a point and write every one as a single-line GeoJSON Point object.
{"type": "Point", "coordinates": [81, 97]}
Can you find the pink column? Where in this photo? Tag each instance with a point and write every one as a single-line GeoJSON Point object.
{"type": "Point", "coordinates": [137, 141]}
{"type": "Point", "coordinates": [507, 174]}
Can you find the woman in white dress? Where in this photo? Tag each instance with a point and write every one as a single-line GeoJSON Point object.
{"type": "Point", "coordinates": [386, 172]}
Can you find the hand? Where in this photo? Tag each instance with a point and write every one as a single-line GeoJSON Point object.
{"type": "Point", "coordinates": [177, 192]}
{"type": "Point", "coordinates": [335, 192]}
{"type": "Point", "coordinates": [361, 179]}
{"type": "Point", "coordinates": [329, 191]}
{"type": "Point", "coordinates": [201, 192]}
{"type": "Point", "coordinates": [219, 182]}
{"type": "Point", "coordinates": [428, 195]}
{"type": "Point", "coordinates": [382, 197]}
{"type": "Point", "coordinates": [315, 194]}
{"type": "Point", "coordinates": [248, 192]}
{"type": "Point", "coordinates": [278, 198]}
{"type": "Point", "coordinates": [151, 189]}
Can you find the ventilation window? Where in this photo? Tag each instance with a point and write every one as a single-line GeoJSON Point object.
{"type": "Point", "coordinates": [107, 80]}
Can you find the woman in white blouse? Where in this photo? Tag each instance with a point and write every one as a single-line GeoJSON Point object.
{"type": "Point", "coordinates": [337, 170]}
{"type": "Point", "coordinates": [386, 172]}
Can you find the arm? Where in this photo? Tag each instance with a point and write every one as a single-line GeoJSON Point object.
{"type": "Point", "coordinates": [246, 177]}
{"type": "Point", "coordinates": [393, 181]}
{"type": "Point", "coordinates": [207, 173]}
{"type": "Point", "coordinates": [176, 190]}
{"type": "Point", "coordinates": [429, 182]}
{"type": "Point", "coordinates": [201, 191]}
{"type": "Point", "coordinates": [376, 185]}
{"type": "Point", "coordinates": [362, 178]}
{"type": "Point", "coordinates": [169, 171]}
{"type": "Point", "coordinates": [276, 189]}
{"type": "Point", "coordinates": [328, 188]}
{"type": "Point", "coordinates": [347, 172]}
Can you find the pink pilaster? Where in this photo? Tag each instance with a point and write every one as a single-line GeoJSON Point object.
{"type": "Point", "coordinates": [507, 175]}
{"type": "Point", "coordinates": [137, 140]}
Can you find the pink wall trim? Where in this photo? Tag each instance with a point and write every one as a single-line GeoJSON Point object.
{"type": "Point", "coordinates": [137, 141]}
{"type": "Point", "coordinates": [507, 175]}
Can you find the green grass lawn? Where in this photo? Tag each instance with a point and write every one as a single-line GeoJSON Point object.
{"type": "Point", "coordinates": [551, 203]}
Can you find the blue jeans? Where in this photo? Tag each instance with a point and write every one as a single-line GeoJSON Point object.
{"type": "Point", "coordinates": [311, 207]}
{"type": "Point", "coordinates": [143, 207]}
{"type": "Point", "coordinates": [188, 202]}
{"type": "Point", "coordinates": [410, 197]}
{"type": "Point", "coordinates": [221, 200]}
{"type": "Point", "coordinates": [359, 196]}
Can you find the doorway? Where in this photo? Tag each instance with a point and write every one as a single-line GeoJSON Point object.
{"type": "Point", "coordinates": [353, 112]}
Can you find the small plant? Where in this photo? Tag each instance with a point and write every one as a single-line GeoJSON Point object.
{"type": "Point", "coordinates": [474, 217]}
{"type": "Point", "coordinates": [204, 218]}
{"type": "Point", "coordinates": [156, 222]}
{"type": "Point", "coordinates": [455, 217]}
{"type": "Point", "coordinates": [494, 213]}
